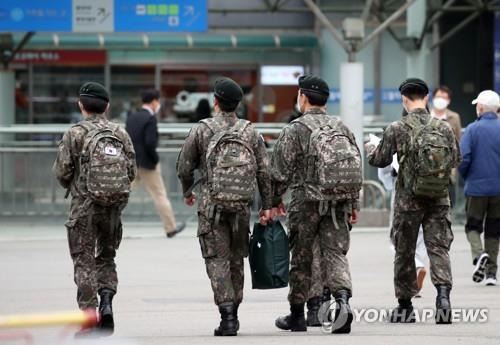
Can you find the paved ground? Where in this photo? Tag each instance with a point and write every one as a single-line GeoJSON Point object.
{"type": "Point", "coordinates": [165, 296]}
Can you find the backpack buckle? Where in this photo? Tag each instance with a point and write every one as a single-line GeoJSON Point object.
{"type": "Point", "coordinates": [85, 157]}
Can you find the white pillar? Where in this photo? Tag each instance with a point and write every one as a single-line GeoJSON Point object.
{"type": "Point", "coordinates": [418, 62]}
{"type": "Point", "coordinates": [7, 100]}
{"type": "Point", "coordinates": [351, 98]}
{"type": "Point", "coordinates": [7, 114]}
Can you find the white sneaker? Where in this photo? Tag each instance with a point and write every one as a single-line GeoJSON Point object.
{"type": "Point", "coordinates": [491, 280]}
{"type": "Point", "coordinates": [478, 274]}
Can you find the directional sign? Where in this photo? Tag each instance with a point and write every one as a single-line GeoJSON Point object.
{"type": "Point", "coordinates": [33, 15]}
{"type": "Point", "coordinates": [103, 15]}
{"type": "Point", "coordinates": [161, 15]}
{"type": "Point", "coordinates": [93, 16]}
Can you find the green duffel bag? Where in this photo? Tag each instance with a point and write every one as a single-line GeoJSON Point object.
{"type": "Point", "coordinates": [269, 256]}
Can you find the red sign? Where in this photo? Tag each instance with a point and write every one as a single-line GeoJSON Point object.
{"type": "Point", "coordinates": [61, 57]}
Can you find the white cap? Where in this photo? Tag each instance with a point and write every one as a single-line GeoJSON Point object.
{"type": "Point", "coordinates": [488, 98]}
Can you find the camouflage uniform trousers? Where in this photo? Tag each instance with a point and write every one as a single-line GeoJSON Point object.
{"type": "Point", "coordinates": [93, 242]}
{"type": "Point", "coordinates": [316, 289]}
{"type": "Point", "coordinates": [224, 243]}
{"type": "Point", "coordinates": [438, 236]}
{"type": "Point", "coordinates": [305, 226]}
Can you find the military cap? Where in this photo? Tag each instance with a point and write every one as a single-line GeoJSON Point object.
{"type": "Point", "coordinates": [414, 82]}
{"type": "Point", "coordinates": [228, 90]}
{"type": "Point", "coordinates": [93, 89]}
{"type": "Point", "coordinates": [315, 84]}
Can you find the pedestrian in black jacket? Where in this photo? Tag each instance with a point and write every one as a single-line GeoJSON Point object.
{"type": "Point", "coordinates": [142, 127]}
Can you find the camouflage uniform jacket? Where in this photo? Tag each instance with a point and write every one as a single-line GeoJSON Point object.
{"type": "Point", "coordinates": [193, 156]}
{"type": "Point", "coordinates": [395, 136]}
{"type": "Point", "coordinates": [288, 166]}
{"type": "Point", "coordinates": [67, 164]}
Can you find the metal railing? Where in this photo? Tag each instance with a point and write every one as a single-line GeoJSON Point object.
{"type": "Point", "coordinates": [28, 186]}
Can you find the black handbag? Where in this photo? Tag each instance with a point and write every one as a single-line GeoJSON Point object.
{"type": "Point", "coordinates": [269, 256]}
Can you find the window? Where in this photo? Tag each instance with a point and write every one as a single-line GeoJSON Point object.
{"type": "Point", "coordinates": [55, 91]}
{"type": "Point", "coordinates": [126, 85]}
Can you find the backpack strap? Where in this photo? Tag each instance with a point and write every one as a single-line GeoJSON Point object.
{"type": "Point", "coordinates": [309, 124]}
{"type": "Point", "coordinates": [240, 126]}
{"type": "Point", "coordinates": [87, 125]}
{"type": "Point", "coordinates": [211, 124]}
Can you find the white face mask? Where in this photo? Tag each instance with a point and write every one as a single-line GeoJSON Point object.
{"type": "Point", "coordinates": [440, 103]}
{"type": "Point", "coordinates": [298, 103]}
{"type": "Point", "coordinates": [158, 109]}
{"type": "Point", "coordinates": [404, 107]}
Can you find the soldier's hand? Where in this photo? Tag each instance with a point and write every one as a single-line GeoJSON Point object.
{"type": "Point", "coordinates": [354, 216]}
{"type": "Point", "coordinates": [279, 211]}
{"type": "Point", "coordinates": [369, 147]}
{"type": "Point", "coordinates": [265, 216]}
{"type": "Point", "coordinates": [191, 200]}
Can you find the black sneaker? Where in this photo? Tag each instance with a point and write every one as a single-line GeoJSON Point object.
{"type": "Point", "coordinates": [179, 227]}
{"type": "Point", "coordinates": [491, 280]}
{"type": "Point", "coordinates": [478, 274]}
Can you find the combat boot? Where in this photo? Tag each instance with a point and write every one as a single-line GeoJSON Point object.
{"type": "Point", "coordinates": [228, 323]}
{"type": "Point", "coordinates": [313, 306]}
{"type": "Point", "coordinates": [404, 312]}
{"type": "Point", "coordinates": [343, 313]}
{"type": "Point", "coordinates": [107, 323]}
{"type": "Point", "coordinates": [295, 321]}
{"type": "Point", "coordinates": [443, 305]}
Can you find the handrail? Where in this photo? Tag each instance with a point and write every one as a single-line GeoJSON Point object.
{"type": "Point", "coordinates": [163, 128]}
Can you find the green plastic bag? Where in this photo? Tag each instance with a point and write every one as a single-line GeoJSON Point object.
{"type": "Point", "coordinates": [269, 256]}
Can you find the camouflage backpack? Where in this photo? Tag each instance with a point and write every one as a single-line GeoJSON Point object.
{"type": "Point", "coordinates": [426, 162]}
{"type": "Point", "coordinates": [333, 160]}
{"type": "Point", "coordinates": [231, 164]}
{"type": "Point", "coordinates": [104, 165]}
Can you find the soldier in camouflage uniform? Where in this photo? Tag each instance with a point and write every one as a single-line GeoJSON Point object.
{"type": "Point", "coordinates": [94, 231]}
{"type": "Point", "coordinates": [318, 293]}
{"type": "Point", "coordinates": [307, 220]}
{"type": "Point", "coordinates": [223, 227]}
{"type": "Point", "coordinates": [412, 211]}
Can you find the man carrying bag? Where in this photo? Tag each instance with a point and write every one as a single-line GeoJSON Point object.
{"type": "Point", "coordinates": [317, 158]}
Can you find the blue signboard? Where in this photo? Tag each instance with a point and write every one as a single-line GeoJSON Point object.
{"type": "Point", "coordinates": [103, 15]}
{"type": "Point", "coordinates": [161, 15]}
{"type": "Point", "coordinates": [388, 96]}
{"type": "Point", "coordinates": [33, 15]}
